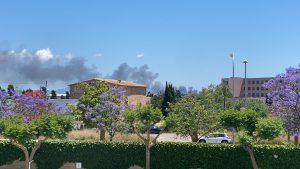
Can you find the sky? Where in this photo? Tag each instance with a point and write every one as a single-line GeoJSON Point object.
{"type": "Point", "coordinates": [185, 42]}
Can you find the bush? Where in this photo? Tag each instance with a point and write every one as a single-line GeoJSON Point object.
{"type": "Point", "coordinates": [168, 155]}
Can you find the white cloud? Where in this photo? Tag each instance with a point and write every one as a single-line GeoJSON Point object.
{"type": "Point", "coordinates": [69, 56]}
{"type": "Point", "coordinates": [98, 55]}
{"type": "Point", "coordinates": [140, 55]}
{"type": "Point", "coordinates": [45, 54]}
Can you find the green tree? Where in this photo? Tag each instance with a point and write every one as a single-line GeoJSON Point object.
{"type": "Point", "coordinates": [67, 95]}
{"type": "Point", "coordinates": [169, 97]}
{"type": "Point", "coordinates": [223, 96]}
{"type": "Point", "coordinates": [44, 90]}
{"type": "Point", "coordinates": [10, 87]}
{"type": "Point", "coordinates": [215, 98]}
{"type": "Point", "coordinates": [247, 142]}
{"type": "Point", "coordinates": [231, 119]}
{"type": "Point", "coordinates": [267, 129]}
{"type": "Point", "coordinates": [236, 120]}
{"type": "Point", "coordinates": [189, 117]}
{"type": "Point", "coordinates": [253, 104]}
{"type": "Point", "coordinates": [48, 125]}
{"type": "Point", "coordinates": [53, 94]}
{"type": "Point", "coordinates": [157, 99]}
{"type": "Point", "coordinates": [143, 118]}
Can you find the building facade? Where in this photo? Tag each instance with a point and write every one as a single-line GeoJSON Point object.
{"type": "Point", "coordinates": [254, 86]}
{"type": "Point", "coordinates": [136, 93]}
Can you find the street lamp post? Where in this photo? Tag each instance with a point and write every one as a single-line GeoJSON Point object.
{"type": "Point", "coordinates": [232, 56]}
{"type": "Point", "coordinates": [246, 89]}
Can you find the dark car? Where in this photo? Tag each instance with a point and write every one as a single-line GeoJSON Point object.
{"type": "Point", "coordinates": [154, 130]}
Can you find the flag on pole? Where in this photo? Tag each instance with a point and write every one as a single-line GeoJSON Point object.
{"type": "Point", "coordinates": [232, 56]}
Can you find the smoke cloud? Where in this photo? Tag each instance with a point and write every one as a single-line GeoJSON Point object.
{"type": "Point", "coordinates": [41, 65]}
{"type": "Point", "coordinates": [141, 75]}
{"type": "Point", "coordinates": [36, 67]}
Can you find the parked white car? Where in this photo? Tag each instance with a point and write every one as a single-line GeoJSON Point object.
{"type": "Point", "coordinates": [215, 138]}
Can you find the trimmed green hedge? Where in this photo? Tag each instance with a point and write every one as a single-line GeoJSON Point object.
{"type": "Point", "coordinates": [169, 155]}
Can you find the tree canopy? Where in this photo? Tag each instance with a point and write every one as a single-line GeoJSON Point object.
{"type": "Point", "coordinates": [190, 118]}
{"type": "Point", "coordinates": [25, 118]}
{"type": "Point", "coordinates": [285, 95]}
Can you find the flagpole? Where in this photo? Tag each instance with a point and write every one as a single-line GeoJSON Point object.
{"type": "Point", "coordinates": [232, 56]}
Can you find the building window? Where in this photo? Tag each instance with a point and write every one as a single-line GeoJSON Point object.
{"type": "Point", "coordinates": [262, 95]}
{"type": "Point", "coordinates": [244, 88]}
{"type": "Point", "coordinates": [249, 94]}
{"type": "Point", "coordinates": [257, 94]}
{"type": "Point", "coordinates": [261, 88]}
{"type": "Point", "coordinates": [262, 82]}
{"type": "Point", "coordinates": [257, 82]}
{"type": "Point", "coordinates": [257, 88]}
{"type": "Point", "coordinates": [249, 88]}
{"type": "Point", "coordinates": [253, 82]}
{"type": "Point", "coordinates": [253, 88]}
{"type": "Point", "coordinates": [253, 94]}
{"type": "Point", "coordinates": [249, 82]}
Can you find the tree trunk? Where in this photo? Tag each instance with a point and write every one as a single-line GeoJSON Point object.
{"type": "Point", "coordinates": [251, 153]}
{"type": "Point", "coordinates": [224, 103]}
{"type": "Point", "coordinates": [147, 156]}
{"type": "Point", "coordinates": [289, 136]}
{"type": "Point", "coordinates": [110, 137]}
{"type": "Point", "coordinates": [194, 137]}
{"type": "Point", "coordinates": [29, 158]}
{"type": "Point", "coordinates": [296, 140]}
{"type": "Point", "coordinates": [26, 160]}
{"type": "Point", "coordinates": [233, 134]}
{"type": "Point", "coordinates": [102, 134]}
{"type": "Point", "coordinates": [25, 151]}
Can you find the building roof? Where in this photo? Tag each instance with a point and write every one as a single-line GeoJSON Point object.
{"type": "Point", "coordinates": [113, 81]}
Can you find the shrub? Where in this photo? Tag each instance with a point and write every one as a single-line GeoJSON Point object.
{"type": "Point", "coordinates": [168, 155]}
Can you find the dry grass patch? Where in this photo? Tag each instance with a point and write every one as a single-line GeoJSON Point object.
{"type": "Point", "coordinates": [92, 134]}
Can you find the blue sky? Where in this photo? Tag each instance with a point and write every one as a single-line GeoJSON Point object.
{"type": "Point", "coordinates": [187, 42]}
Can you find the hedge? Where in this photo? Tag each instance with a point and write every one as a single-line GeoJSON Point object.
{"type": "Point", "coordinates": [168, 155]}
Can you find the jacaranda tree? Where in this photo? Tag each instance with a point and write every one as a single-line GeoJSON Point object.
{"type": "Point", "coordinates": [108, 110]}
{"type": "Point", "coordinates": [285, 94]}
{"type": "Point", "coordinates": [25, 120]}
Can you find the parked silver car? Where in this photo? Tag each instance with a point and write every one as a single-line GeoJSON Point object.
{"type": "Point", "coordinates": [215, 138]}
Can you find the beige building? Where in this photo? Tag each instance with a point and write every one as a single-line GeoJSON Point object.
{"type": "Point", "coordinates": [255, 87]}
{"type": "Point", "coordinates": [136, 93]}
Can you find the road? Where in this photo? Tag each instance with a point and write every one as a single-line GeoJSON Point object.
{"type": "Point", "coordinates": [173, 137]}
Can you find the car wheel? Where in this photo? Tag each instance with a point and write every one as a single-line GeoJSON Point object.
{"type": "Point", "coordinates": [202, 141]}
{"type": "Point", "coordinates": [224, 141]}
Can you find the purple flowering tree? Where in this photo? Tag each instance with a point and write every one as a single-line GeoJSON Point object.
{"type": "Point", "coordinates": [24, 119]}
{"type": "Point", "coordinates": [107, 112]}
{"type": "Point", "coordinates": [285, 94]}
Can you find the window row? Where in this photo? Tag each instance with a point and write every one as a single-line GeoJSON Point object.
{"type": "Point", "coordinates": [255, 95]}
{"type": "Point", "coordinates": [256, 88]}
{"type": "Point", "coordinates": [257, 81]}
